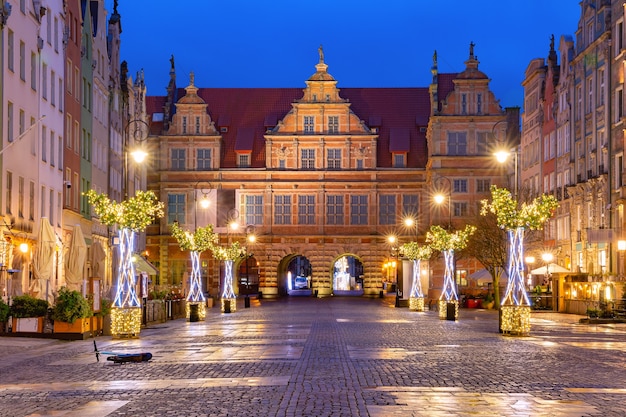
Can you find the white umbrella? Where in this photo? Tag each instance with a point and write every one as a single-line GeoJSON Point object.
{"type": "Point", "coordinates": [552, 268]}
{"type": "Point", "coordinates": [75, 262]}
{"type": "Point", "coordinates": [43, 260]}
{"type": "Point", "coordinates": [482, 276]}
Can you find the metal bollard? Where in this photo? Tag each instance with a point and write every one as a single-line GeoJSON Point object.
{"type": "Point", "coordinates": [246, 302]}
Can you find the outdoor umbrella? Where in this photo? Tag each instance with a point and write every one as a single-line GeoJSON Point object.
{"type": "Point", "coordinates": [553, 269]}
{"type": "Point", "coordinates": [75, 262]}
{"type": "Point", "coordinates": [17, 266]}
{"type": "Point", "coordinates": [43, 260]}
{"type": "Point", "coordinates": [482, 277]}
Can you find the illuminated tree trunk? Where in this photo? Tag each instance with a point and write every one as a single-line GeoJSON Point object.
{"type": "Point", "coordinates": [195, 296]}
{"type": "Point", "coordinates": [126, 308]}
{"type": "Point", "coordinates": [195, 281]}
{"type": "Point", "coordinates": [228, 294]}
{"type": "Point", "coordinates": [515, 304]}
{"type": "Point", "coordinates": [448, 294]}
{"type": "Point", "coordinates": [416, 297]}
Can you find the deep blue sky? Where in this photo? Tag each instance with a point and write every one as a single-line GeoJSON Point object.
{"type": "Point", "coordinates": [273, 43]}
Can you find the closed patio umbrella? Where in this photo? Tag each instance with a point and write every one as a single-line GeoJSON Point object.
{"type": "Point", "coordinates": [43, 262]}
{"type": "Point", "coordinates": [75, 262]}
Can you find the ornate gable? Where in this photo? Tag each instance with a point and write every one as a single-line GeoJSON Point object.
{"type": "Point", "coordinates": [192, 117]}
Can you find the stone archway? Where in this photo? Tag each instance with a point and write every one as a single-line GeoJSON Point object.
{"type": "Point", "coordinates": [294, 275]}
{"type": "Point", "coordinates": [347, 275]}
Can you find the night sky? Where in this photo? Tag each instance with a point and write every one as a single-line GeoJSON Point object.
{"type": "Point", "coordinates": [258, 43]}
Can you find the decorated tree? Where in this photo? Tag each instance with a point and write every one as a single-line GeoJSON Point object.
{"type": "Point", "coordinates": [197, 242]}
{"type": "Point", "coordinates": [417, 253]}
{"type": "Point", "coordinates": [515, 219]}
{"type": "Point", "coordinates": [130, 216]}
{"type": "Point", "coordinates": [447, 242]}
{"type": "Point", "coordinates": [228, 254]}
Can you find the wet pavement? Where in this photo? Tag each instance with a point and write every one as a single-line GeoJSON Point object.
{"type": "Point", "coordinates": [326, 357]}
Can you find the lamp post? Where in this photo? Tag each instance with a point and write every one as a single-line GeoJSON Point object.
{"type": "Point", "coordinates": [502, 156]}
{"type": "Point", "coordinates": [204, 202]}
{"type": "Point", "coordinates": [139, 129]}
{"type": "Point", "coordinates": [547, 258]}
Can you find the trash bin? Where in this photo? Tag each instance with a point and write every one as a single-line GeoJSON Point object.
{"type": "Point", "coordinates": [227, 306]}
{"type": "Point", "coordinates": [246, 302]}
{"type": "Point", "coordinates": [194, 312]}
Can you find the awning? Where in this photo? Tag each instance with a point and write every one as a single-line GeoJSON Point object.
{"type": "Point", "coordinates": [552, 268]}
{"type": "Point", "coordinates": [244, 140]}
{"type": "Point", "coordinates": [399, 140]}
{"type": "Point", "coordinates": [142, 265]}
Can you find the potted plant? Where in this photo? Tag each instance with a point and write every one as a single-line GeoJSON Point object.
{"type": "Point", "coordinates": [4, 315]}
{"type": "Point", "coordinates": [71, 312]}
{"type": "Point", "coordinates": [28, 313]}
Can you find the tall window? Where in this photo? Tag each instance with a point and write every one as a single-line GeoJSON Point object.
{"type": "Point", "coordinates": [22, 122]}
{"type": "Point", "coordinates": [44, 81]}
{"type": "Point", "coordinates": [482, 143]}
{"type": "Point", "coordinates": [51, 206]}
{"type": "Point", "coordinates": [479, 103]}
{"type": "Point", "coordinates": [387, 209]}
{"type": "Point", "coordinates": [457, 143]}
{"type": "Point", "coordinates": [306, 209]}
{"type": "Point", "coordinates": [282, 209]}
{"type": "Point", "coordinates": [463, 103]}
{"type": "Point", "coordinates": [44, 144]}
{"type": "Point", "coordinates": [619, 104]}
{"type": "Point", "coordinates": [254, 209]}
{"type": "Point", "coordinates": [176, 208]}
{"type": "Point", "coordinates": [197, 125]}
{"type": "Point", "coordinates": [307, 158]}
{"type": "Point", "coordinates": [11, 51]}
{"type": "Point", "coordinates": [184, 124]}
{"type": "Point", "coordinates": [589, 95]}
{"type": "Point", "coordinates": [53, 99]}
{"type": "Point", "coordinates": [410, 205]}
{"type": "Point", "coordinates": [179, 158]}
{"type": "Point", "coordinates": [31, 201]}
{"type": "Point", "coordinates": [10, 121]}
{"type": "Point", "coordinates": [309, 124]}
{"type": "Point", "coordinates": [358, 209]}
{"type": "Point", "coordinates": [334, 209]}
{"type": "Point", "coordinates": [9, 192]}
{"type": "Point", "coordinates": [460, 186]}
{"type": "Point", "coordinates": [203, 159]}
{"type": "Point", "coordinates": [333, 124]}
{"type": "Point", "coordinates": [619, 37]}
{"type": "Point", "coordinates": [601, 86]}
{"type": "Point", "coordinates": [33, 71]}
{"type": "Point", "coordinates": [333, 158]}
{"type": "Point", "coordinates": [22, 61]}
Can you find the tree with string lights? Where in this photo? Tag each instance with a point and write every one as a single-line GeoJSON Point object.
{"type": "Point", "coordinates": [416, 252]}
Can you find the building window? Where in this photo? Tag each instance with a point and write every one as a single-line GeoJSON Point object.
{"type": "Point", "coordinates": [333, 124]}
{"type": "Point", "coordinates": [463, 103]}
{"type": "Point", "coordinates": [22, 61]}
{"type": "Point", "coordinates": [306, 209]}
{"type": "Point", "coordinates": [197, 125]}
{"type": "Point", "coordinates": [589, 95]}
{"type": "Point", "coordinates": [44, 81]}
{"type": "Point", "coordinates": [479, 103]}
{"type": "Point", "coordinates": [460, 209]}
{"type": "Point", "coordinates": [619, 167]}
{"type": "Point", "coordinates": [22, 122]}
{"type": "Point", "coordinates": [399, 160]}
{"type": "Point", "coordinates": [243, 160]}
{"type": "Point", "coordinates": [358, 209]}
{"type": "Point", "coordinates": [619, 37]}
{"type": "Point", "coordinates": [179, 157]}
{"type": "Point", "coordinates": [184, 124]}
{"type": "Point", "coordinates": [601, 86]}
{"type": "Point", "coordinates": [176, 208]}
{"type": "Point", "coordinates": [410, 206]}
{"type": "Point", "coordinates": [309, 125]}
{"type": "Point", "coordinates": [307, 158]}
{"type": "Point", "coordinates": [254, 209]}
{"type": "Point", "coordinates": [203, 159]}
{"type": "Point", "coordinates": [359, 164]}
{"type": "Point", "coordinates": [282, 209]}
{"type": "Point", "coordinates": [333, 160]}
{"type": "Point", "coordinates": [52, 148]}
{"type": "Point", "coordinates": [334, 209]}
{"type": "Point", "coordinates": [460, 186]}
{"type": "Point", "coordinates": [44, 144]}
{"type": "Point", "coordinates": [619, 104]}
{"type": "Point", "coordinates": [68, 194]}
{"type": "Point", "coordinates": [33, 71]}
{"type": "Point", "coordinates": [10, 121]}
{"type": "Point", "coordinates": [10, 51]}
{"type": "Point", "coordinates": [579, 101]}
{"type": "Point", "coordinates": [387, 209]}
{"type": "Point", "coordinates": [31, 201]}
{"type": "Point", "coordinates": [482, 146]}
{"type": "Point", "coordinates": [281, 164]}
{"type": "Point", "coordinates": [457, 143]}
{"type": "Point", "coordinates": [482, 185]}
{"type": "Point", "coordinates": [9, 193]}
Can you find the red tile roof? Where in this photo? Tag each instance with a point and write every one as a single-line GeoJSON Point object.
{"type": "Point", "coordinates": [252, 108]}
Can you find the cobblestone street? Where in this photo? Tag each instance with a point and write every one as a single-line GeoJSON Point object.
{"type": "Point", "coordinates": [326, 357]}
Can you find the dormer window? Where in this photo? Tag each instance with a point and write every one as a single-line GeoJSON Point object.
{"type": "Point", "coordinates": [309, 125]}
{"type": "Point", "coordinates": [399, 160]}
{"type": "Point", "coordinates": [243, 160]}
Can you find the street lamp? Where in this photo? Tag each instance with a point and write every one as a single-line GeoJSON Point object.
{"type": "Point", "coordinates": [502, 156]}
{"type": "Point", "coordinates": [204, 201]}
{"type": "Point", "coordinates": [139, 129]}
{"type": "Point", "coordinates": [439, 197]}
{"type": "Point", "coordinates": [410, 222]}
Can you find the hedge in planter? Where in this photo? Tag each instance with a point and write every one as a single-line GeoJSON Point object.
{"type": "Point", "coordinates": [71, 306]}
{"type": "Point", "coordinates": [28, 313]}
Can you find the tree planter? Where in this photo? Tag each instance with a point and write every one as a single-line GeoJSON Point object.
{"type": "Point", "coordinates": [79, 330]}
{"type": "Point", "coordinates": [28, 325]}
